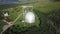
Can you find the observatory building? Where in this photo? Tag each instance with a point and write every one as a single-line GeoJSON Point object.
{"type": "Point", "coordinates": [30, 17]}
{"type": "Point", "coordinates": [28, 14]}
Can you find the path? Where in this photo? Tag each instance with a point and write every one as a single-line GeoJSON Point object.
{"type": "Point", "coordinates": [12, 23]}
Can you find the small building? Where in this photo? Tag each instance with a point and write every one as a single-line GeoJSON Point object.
{"type": "Point", "coordinates": [6, 14]}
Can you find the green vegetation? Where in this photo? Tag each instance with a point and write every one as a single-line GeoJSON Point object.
{"type": "Point", "coordinates": [1, 22]}
{"type": "Point", "coordinates": [1, 25]}
{"type": "Point", "coordinates": [47, 19]}
{"type": "Point", "coordinates": [1, 15]}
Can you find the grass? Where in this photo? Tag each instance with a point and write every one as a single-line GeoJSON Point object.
{"type": "Point", "coordinates": [46, 7]}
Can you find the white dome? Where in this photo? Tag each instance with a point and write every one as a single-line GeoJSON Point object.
{"type": "Point", "coordinates": [30, 17]}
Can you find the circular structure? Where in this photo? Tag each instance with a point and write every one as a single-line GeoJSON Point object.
{"type": "Point", "coordinates": [30, 17]}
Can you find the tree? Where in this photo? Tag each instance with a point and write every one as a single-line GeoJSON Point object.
{"type": "Point", "coordinates": [56, 19]}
